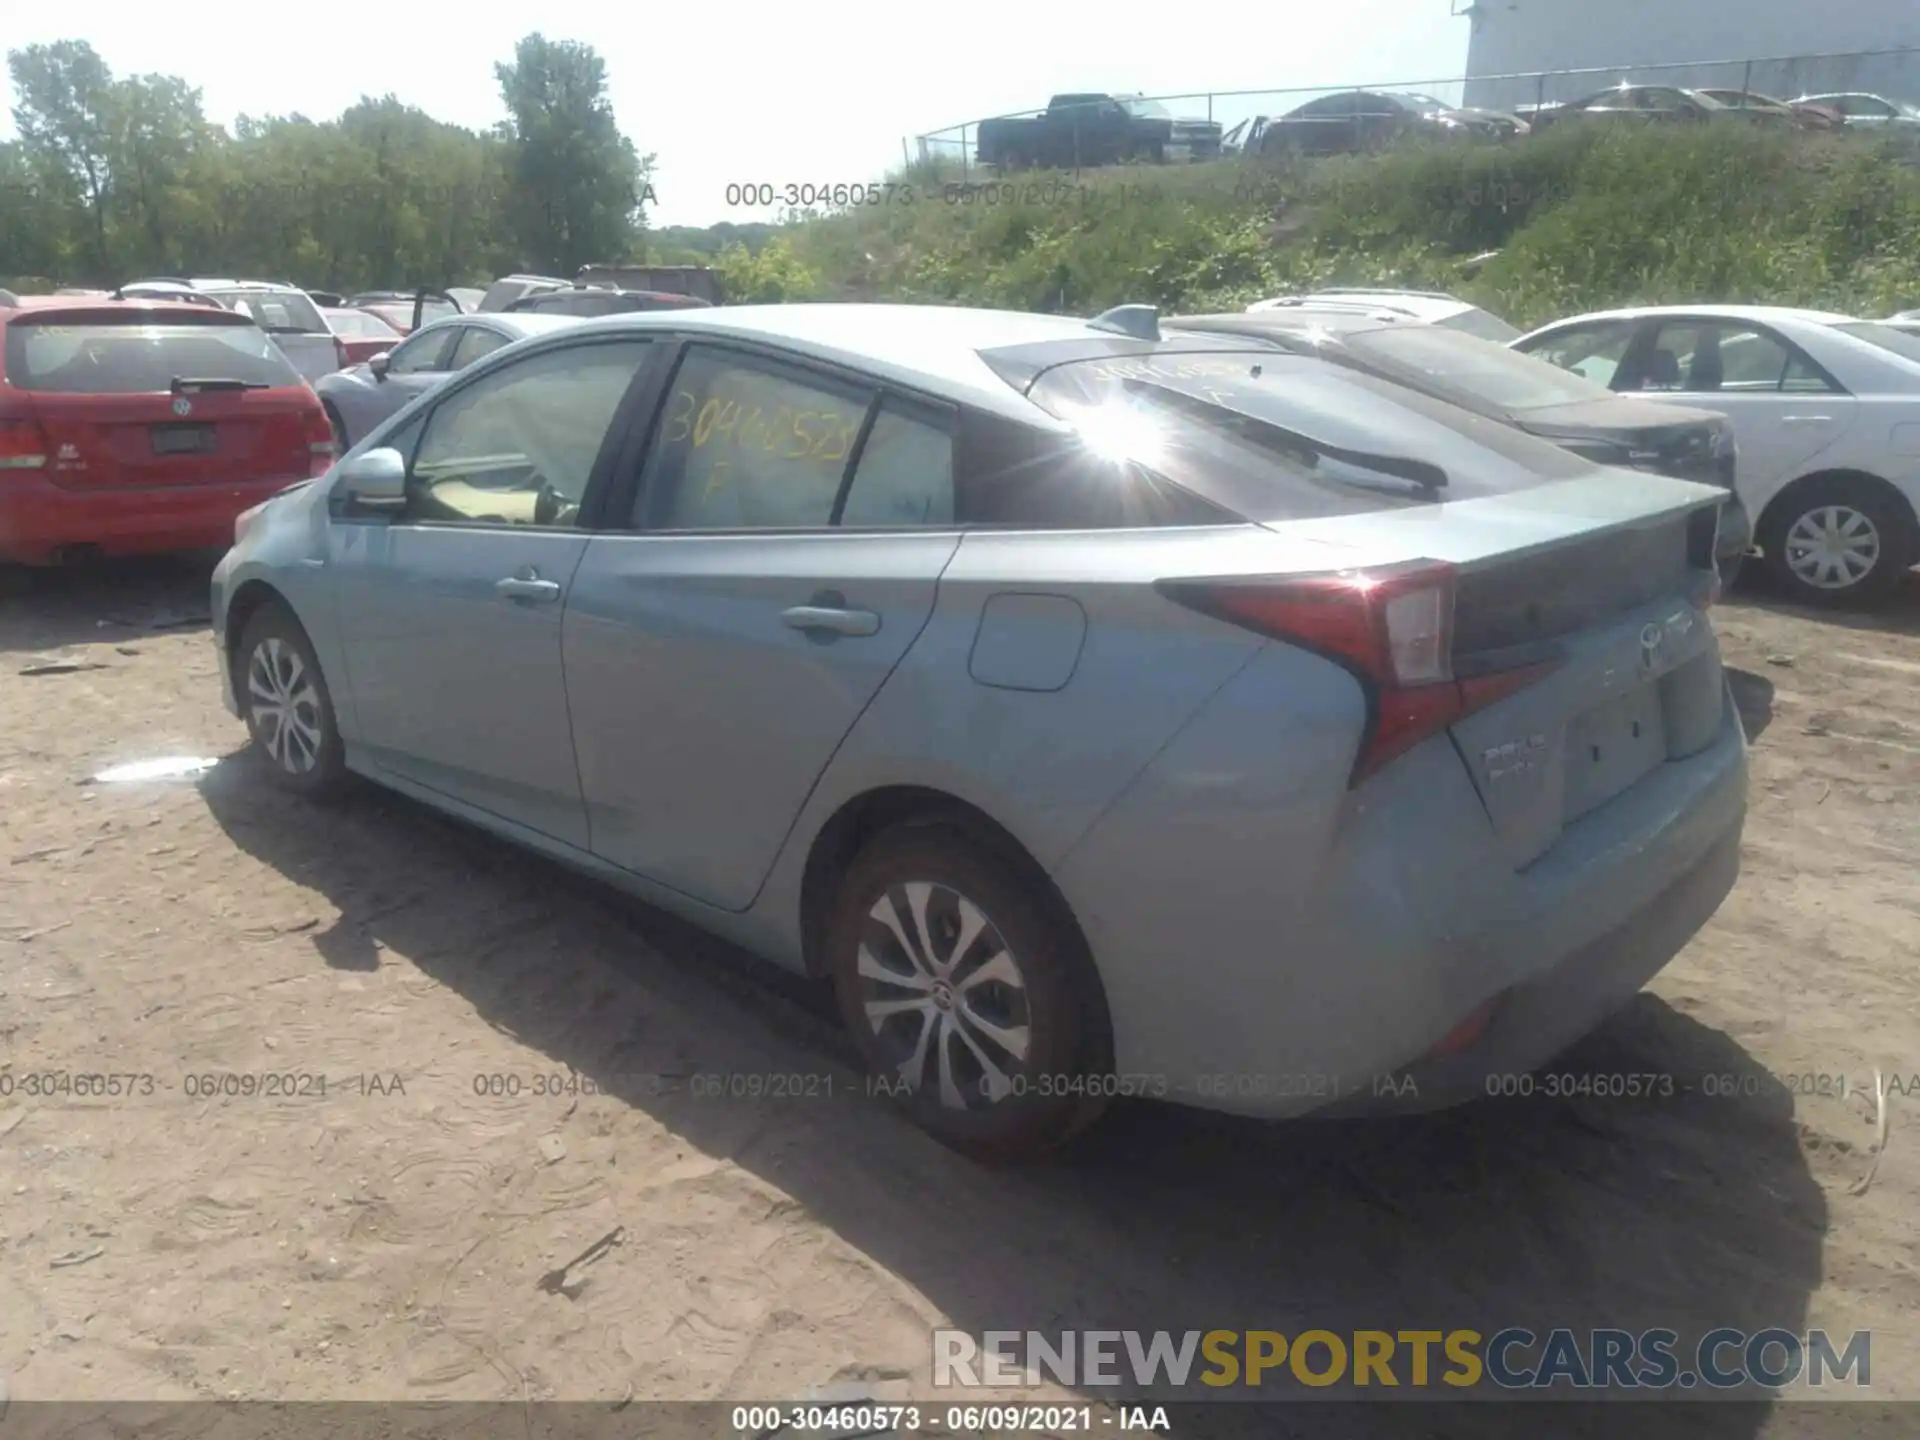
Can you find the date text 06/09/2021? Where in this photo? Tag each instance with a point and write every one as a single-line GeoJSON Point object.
{"type": "Point", "coordinates": [998, 1419]}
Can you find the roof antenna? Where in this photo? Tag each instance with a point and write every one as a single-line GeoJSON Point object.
{"type": "Point", "coordinates": [1142, 322]}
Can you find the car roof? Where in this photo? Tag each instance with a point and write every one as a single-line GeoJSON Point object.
{"type": "Point", "coordinates": [513, 322]}
{"type": "Point", "coordinates": [1427, 305]}
{"type": "Point", "coordinates": [1768, 313]}
{"type": "Point", "coordinates": [929, 347]}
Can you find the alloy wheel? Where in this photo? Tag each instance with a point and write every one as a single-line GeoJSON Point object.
{"type": "Point", "coordinates": [945, 996]}
{"type": "Point", "coordinates": [284, 706]}
{"type": "Point", "coordinates": [1832, 547]}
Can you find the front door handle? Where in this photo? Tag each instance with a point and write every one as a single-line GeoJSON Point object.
{"type": "Point", "coordinates": [526, 584]}
{"type": "Point", "coordinates": [832, 620]}
{"type": "Point", "coordinates": [1806, 419]}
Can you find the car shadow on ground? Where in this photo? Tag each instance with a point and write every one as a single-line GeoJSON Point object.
{"type": "Point", "coordinates": [107, 601]}
{"type": "Point", "coordinates": [1680, 1210]}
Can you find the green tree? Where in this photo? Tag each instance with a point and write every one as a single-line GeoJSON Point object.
{"type": "Point", "coordinates": [576, 183]}
{"type": "Point", "coordinates": [65, 122]}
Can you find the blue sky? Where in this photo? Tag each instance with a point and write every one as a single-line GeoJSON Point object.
{"type": "Point", "coordinates": [820, 94]}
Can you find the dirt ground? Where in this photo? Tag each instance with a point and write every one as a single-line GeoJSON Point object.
{"type": "Point", "coordinates": [389, 1239]}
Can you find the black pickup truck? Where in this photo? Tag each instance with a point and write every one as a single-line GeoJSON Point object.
{"type": "Point", "coordinates": [1081, 131]}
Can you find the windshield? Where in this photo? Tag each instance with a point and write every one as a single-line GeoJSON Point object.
{"type": "Point", "coordinates": [1900, 342]}
{"type": "Point", "coordinates": [1250, 432]}
{"type": "Point", "coordinates": [1147, 109]}
{"type": "Point", "coordinates": [1479, 322]}
{"type": "Point", "coordinates": [1470, 368]}
{"type": "Point", "coordinates": [280, 312]}
{"type": "Point", "coordinates": [111, 357]}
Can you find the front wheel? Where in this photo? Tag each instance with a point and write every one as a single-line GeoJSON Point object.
{"type": "Point", "coordinates": [1841, 541]}
{"type": "Point", "coordinates": [966, 989]}
{"type": "Point", "coordinates": [288, 709]}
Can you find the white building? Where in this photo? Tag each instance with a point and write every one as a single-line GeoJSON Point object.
{"type": "Point", "coordinates": [1676, 42]}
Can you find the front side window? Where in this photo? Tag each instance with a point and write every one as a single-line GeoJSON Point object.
{"type": "Point", "coordinates": [421, 354]}
{"type": "Point", "coordinates": [748, 444]}
{"type": "Point", "coordinates": [474, 342]}
{"type": "Point", "coordinates": [518, 446]}
{"type": "Point", "coordinates": [1593, 351]}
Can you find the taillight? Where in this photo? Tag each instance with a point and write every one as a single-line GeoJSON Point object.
{"type": "Point", "coordinates": [320, 447]}
{"type": "Point", "coordinates": [1391, 629]}
{"type": "Point", "coordinates": [23, 445]}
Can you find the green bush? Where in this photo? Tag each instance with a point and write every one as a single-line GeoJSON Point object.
{"type": "Point", "coordinates": [1584, 217]}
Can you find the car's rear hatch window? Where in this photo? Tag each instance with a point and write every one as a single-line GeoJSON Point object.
{"type": "Point", "coordinates": [127, 353]}
{"type": "Point", "coordinates": [1253, 432]}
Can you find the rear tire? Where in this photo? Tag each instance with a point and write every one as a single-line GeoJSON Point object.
{"type": "Point", "coordinates": [288, 709]}
{"type": "Point", "coordinates": [1843, 540]}
{"type": "Point", "coordinates": [966, 987]}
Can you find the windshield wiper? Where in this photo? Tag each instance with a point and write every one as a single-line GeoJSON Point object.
{"type": "Point", "coordinates": [1429, 477]}
{"type": "Point", "coordinates": [184, 385]}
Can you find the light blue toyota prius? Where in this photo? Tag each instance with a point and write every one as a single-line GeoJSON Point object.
{"type": "Point", "coordinates": [1101, 712]}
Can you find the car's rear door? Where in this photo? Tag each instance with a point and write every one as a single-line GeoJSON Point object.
{"type": "Point", "coordinates": [450, 611]}
{"type": "Point", "coordinates": [132, 398]}
{"type": "Point", "coordinates": [720, 649]}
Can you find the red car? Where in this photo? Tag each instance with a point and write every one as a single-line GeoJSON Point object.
{"type": "Point", "coordinates": [140, 426]}
{"type": "Point", "coordinates": [362, 334]}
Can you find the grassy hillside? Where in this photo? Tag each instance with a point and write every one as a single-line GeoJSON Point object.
{"type": "Point", "coordinates": [1581, 218]}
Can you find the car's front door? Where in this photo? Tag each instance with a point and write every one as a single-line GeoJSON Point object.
{"type": "Point", "coordinates": [1785, 410]}
{"type": "Point", "coordinates": [416, 365]}
{"type": "Point", "coordinates": [787, 538]}
{"type": "Point", "coordinates": [450, 611]}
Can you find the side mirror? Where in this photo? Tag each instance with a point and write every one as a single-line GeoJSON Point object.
{"type": "Point", "coordinates": [380, 364]}
{"type": "Point", "coordinates": [376, 480]}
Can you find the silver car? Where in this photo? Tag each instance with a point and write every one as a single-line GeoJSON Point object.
{"type": "Point", "coordinates": [1101, 714]}
{"type": "Point", "coordinates": [360, 397]}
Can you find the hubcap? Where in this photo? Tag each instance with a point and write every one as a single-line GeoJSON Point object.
{"type": "Point", "coordinates": [945, 996]}
{"type": "Point", "coordinates": [1833, 547]}
{"type": "Point", "coordinates": [284, 705]}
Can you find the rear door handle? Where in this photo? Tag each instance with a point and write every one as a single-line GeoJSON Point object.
{"type": "Point", "coordinates": [527, 585]}
{"type": "Point", "coordinates": [1806, 419]}
{"type": "Point", "coordinates": [832, 620]}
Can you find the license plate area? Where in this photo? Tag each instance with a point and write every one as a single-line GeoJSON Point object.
{"type": "Point", "coordinates": [1612, 746]}
{"type": "Point", "coordinates": [185, 439]}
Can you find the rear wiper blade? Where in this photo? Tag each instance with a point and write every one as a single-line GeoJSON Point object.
{"type": "Point", "coordinates": [184, 385]}
{"type": "Point", "coordinates": [1423, 473]}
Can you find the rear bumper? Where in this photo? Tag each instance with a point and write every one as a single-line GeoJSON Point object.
{"type": "Point", "coordinates": [1273, 948]}
{"type": "Point", "coordinates": [38, 519]}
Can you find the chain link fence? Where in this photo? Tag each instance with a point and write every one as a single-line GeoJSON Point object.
{"type": "Point", "coordinates": [1892, 73]}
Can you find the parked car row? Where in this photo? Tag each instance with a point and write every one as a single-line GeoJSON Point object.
{"type": "Point", "coordinates": [1819, 413]}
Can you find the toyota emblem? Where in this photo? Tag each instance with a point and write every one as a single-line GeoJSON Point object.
{"type": "Point", "coordinates": [1651, 638]}
{"type": "Point", "coordinates": [183, 406]}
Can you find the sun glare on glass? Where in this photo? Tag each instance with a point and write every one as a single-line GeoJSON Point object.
{"type": "Point", "coordinates": [1117, 432]}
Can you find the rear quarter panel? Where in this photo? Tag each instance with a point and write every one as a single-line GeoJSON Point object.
{"type": "Point", "coordinates": [1044, 763]}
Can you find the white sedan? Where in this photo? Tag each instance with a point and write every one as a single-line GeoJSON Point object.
{"type": "Point", "coordinates": [1826, 412]}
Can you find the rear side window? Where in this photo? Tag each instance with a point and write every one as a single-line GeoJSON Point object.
{"type": "Point", "coordinates": [905, 473]}
{"type": "Point", "coordinates": [282, 312]}
{"type": "Point", "coordinates": [112, 356]}
{"type": "Point", "coordinates": [474, 341]}
{"type": "Point", "coordinates": [1255, 433]}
